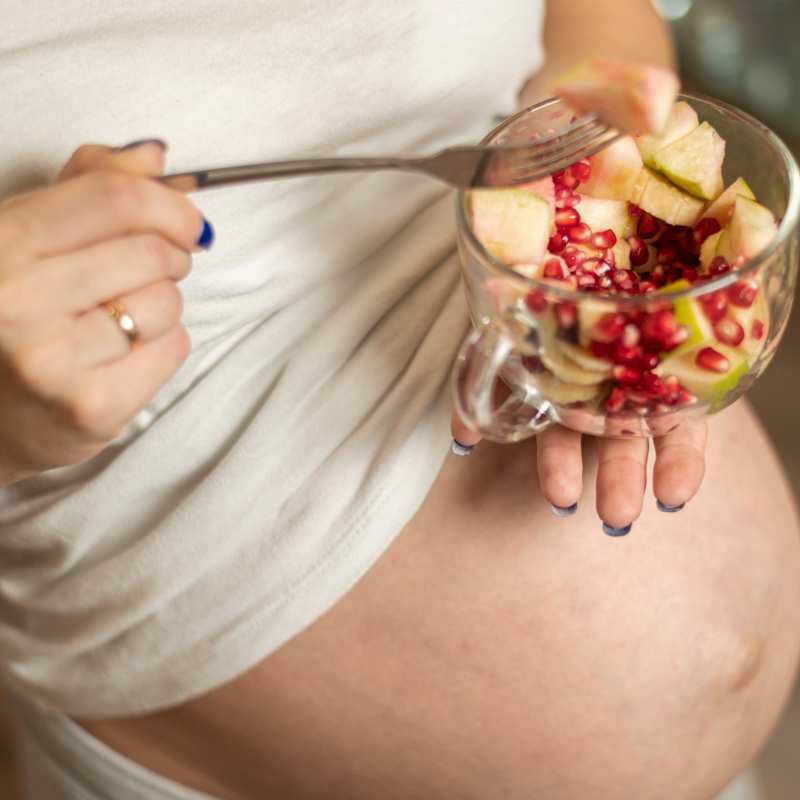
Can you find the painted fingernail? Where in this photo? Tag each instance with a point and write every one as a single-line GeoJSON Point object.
{"type": "Point", "coordinates": [461, 449]}
{"type": "Point", "coordinates": [564, 511]}
{"type": "Point", "coordinates": [139, 143]}
{"type": "Point", "coordinates": [206, 238]}
{"type": "Point", "coordinates": [668, 509]}
{"type": "Point", "coordinates": [609, 531]}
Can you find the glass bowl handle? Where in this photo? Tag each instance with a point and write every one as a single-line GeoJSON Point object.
{"type": "Point", "coordinates": [477, 369]}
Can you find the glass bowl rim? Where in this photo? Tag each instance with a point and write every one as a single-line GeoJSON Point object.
{"type": "Point", "coordinates": [785, 228]}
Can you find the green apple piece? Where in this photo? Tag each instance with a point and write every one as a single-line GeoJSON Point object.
{"type": "Point", "coordinates": [561, 393]}
{"type": "Point", "coordinates": [708, 250]}
{"type": "Point", "coordinates": [694, 162]}
{"type": "Point", "coordinates": [601, 214]}
{"type": "Point", "coordinates": [721, 209]}
{"type": "Point", "coordinates": [710, 387]}
{"type": "Point", "coordinates": [514, 225]}
{"type": "Point", "coordinates": [689, 312]}
{"type": "Point", "coordinates": [657, 196]}
{"type": "Point", "coordinates": [758, 312]}
{"type": "Point", "coordinates": [588, 315]}
{"type": "Point", "coordinates": [614, 171]}
{"type": "Point", "coordinates": [682, 120]}
{"type": "Point", "coordinates": [751, 229]}
{"type": "Point", "coordinates": [584, 359]}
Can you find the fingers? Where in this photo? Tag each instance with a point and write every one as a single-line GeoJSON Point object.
{"type": "Point", "coordinates": [464, 439]}
{"type": "Point", "coordinates": [560, 462]}
{"type": "Point", "coordinates": [143, 158]}
{"type": "Point", "coordinates": [680, 465]}
{"type": "Point", "coordinates": [621, 481]}
{"type": "Point", "coordinates": [155, 309]}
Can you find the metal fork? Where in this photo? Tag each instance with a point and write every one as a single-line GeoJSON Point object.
{"type": "Point", "coordinates": [463, 167]}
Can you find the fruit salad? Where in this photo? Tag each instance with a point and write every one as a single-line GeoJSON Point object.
{"type": "Point", "coordinates": [649, 215]}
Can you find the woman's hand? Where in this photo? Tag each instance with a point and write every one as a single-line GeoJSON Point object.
{"type": "Point", "coordinates": [70, 380]}
{"type": "Point", "coordinates": [621, 470]}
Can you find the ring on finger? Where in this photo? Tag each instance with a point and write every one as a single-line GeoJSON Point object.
{"type": "Point", "coordinates": [125, 322]}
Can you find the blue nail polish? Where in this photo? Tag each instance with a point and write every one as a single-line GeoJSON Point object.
{"type": "Point", "coordinates": [461, 449]}
{"type": "Point", "coordinates": [609, 531]}
{"type": "Point", "coordinates": [564, 511]}
{"type": "Point", "coordinates": [668, 509]}
{"type": "Point", "coordinates": [139, 142]}
{"type": "Point", "coordinates": [206, 238]}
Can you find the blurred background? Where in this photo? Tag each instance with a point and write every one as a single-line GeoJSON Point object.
{"type": "Point", "coordinates": [743, 51]}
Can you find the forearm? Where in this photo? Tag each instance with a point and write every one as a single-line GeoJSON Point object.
{"type": "Point", "coordinates": [576, 30]}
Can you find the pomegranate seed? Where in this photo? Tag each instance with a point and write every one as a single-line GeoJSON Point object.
{"type": "Point", "coordinates": [639, 252]}
{"type": "Point", "coordinates": [646, 286]}
{"type": "Point", "coordinates": [657, 276]}
{"type": "Point", "coordinates": [558, 176]}
{"type": "Point", "coordinates": [566, 217]}
{"type": "Point", "coordinates": [715, 305]}
{"type": "Point", "coordinates": [630, 336]}
{"type": "Point", "coordinates": [603, 240]}
{"type": "Point", "coordinates": [615, 401]}
{"type": "Point", "coordinates": [553, 269]}
{"type": "Point", "coordinates": [566, 198]}
{"type": "Point", "coordinates": [596, 266]}
{"type": "Point", "coordinates": [582, 170]}
{"type": "Point", "coordinates": [609, 257]}
{"type": "Point", "coordinates": [707, 226]}
{"type": "Point", "coordinates": [718, 266]}
{"type": "Point", "coordinates": [532, 364]}
{"type": "Point", "coordinates": [648, 226]}
{"type": "Point", "coordinates": [757, 330]}
{"type": "Point", "coordinates": [536, 301]}
{"type": "Point", "coordinates": [627, 356]}
{"type": "Point", "coordinates": [609, 327]}
{"type": "Point", "coordinates": [729, 332]}
{"type": "Point", "coordinates": [569, 180]}
{"type": "Point", "coordinates": [566, 314]}
{"type": "Point", "coordinates": [712, 360]}
{"type": "Point", "coordinates": [659, 326]}
{"type": "Point", "coordinates": [743, 293]}
{"type": "Point", "coordinates": [604, 282]}
{"type": "Point", "coordinates": [574, 257]}
{"type": "Point", "coordinates": [626, 375]}
{"type": "Point", "coordinates": [667, 252]}
{"type": "Point", "coordinates": [685, 398]}
{"type": "Point", "coordinates": [689, 274]}
{"type": "Point", "coordinates": [601, 349]}
{"type": "Point", "coordinates": [649, 361]}
{"type": "Point", "coordinates": [586, 281]}
{"type": "Point", "coordinates": [619, 276]}
{"type": "Point", "coordinates": [579, 233]}
{"type": "Point", "coordinates": [557, 243]}
{"type": "Point", "coordinates": [653, 385]}
{"type": "Point", "coordinates": [634, 210]}
{"type": "Point", "coordinates": [677, 338]}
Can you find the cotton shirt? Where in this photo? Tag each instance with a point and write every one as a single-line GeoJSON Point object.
{"type": "Point", "coordinates": [311, 417]}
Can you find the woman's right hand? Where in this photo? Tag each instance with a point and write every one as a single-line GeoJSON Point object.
{"type": "Point", "coordinates": [69, 378]}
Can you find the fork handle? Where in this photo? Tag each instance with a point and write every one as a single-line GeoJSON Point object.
{"type": "Point", "coordinates": [225, 176]}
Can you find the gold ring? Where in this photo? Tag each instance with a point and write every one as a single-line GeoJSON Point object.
{"type": "Point", "coordinates": [124, 320]}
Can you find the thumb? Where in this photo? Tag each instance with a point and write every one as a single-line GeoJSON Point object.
{"type": "Point", "coordinates": [146, 158]}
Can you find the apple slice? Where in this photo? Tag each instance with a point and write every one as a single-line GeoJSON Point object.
{"type": "Point", "coordinates": [602, 214]}
{"type": "Point", "coordinates": [584, 359]}
{"type": "Point", "coordinates": [694, 162]}
{"type": "Point", "coordinates": [560, 393]}
{"type": "Point", "coordinates": [682, 120]}
{"type": "Point", "coordinates": [751, 229]}
{"type": "Point", "coordinates": [689, 312]}
{"type": "Point", "coordinates": [614, 170]}
{"type": "Point", "coordinates": [708, 250]}
{"type": "Point", "coordinates": [707, 385]}
{"type": "Point", "coordinates": [657, 196]}
{"type": "Point", "coordinates": [514, 225]}
{"type": "Point", "coordinates": [721, 209]}
{"type": "Point", "coordinates": [628, 96]}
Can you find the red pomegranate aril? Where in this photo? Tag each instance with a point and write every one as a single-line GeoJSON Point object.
{"type": "Point", "coordinates": [586, 281]}
{"type": "Point", "coordinates": [712, 360]}
{"type": "Point", "coordinates": [627, 355]}
{"type": "Point", "coordinates": [609, 327]}
{"type": "Point", "coordinates": [596, 266]}
{"type": "Point", "coordinates": [646, 286]}
{"type": "Point", "coordinates": [553, 268]}
{"type": "Point", "coordinates": [715, 305]}
{"type": "Point", "coordinates": [639, 252]}
{"type": "Point", "coordinates": [603, 240]}
{"type": "Point", "coordinates": [685, 398]}
{"type": "Point", "coordinates": [569, 180]}
{"type": "Point", "coordinates": [649, 361]}
{"type": "Point", "coordinates": [689, 274]}
{"type": "Point", "coordinates": [707, 226]}
{"type": "Point", "coordinates": [580, 233]}
{"type": "Point", "coordinates": [627, 376]}
{"type": "Point", "coordinates": [718, 266]}
{"type": "Point", "coordinates": [615, 401]}
{"type": "Point", "coordinates": [729, 331]}
{"type": "Point", "coordinates": [653, 385]}
{"type": "Point", "coordinates": [660, 325]}
{"type": "Point", "coordinates": [573, 257]}
{"type": "Point", "coordinates": [657, 276]}
{"type": "Point", "coordinates": [743, 293]}
{"type": "Point", "coordinates": [601, 349]}
{"type": "Point", "coordinates": [567, 217]}
{"type": "Point", "coordinates": [582, 169]}
{"type": "Point", "coordinates": [609, 257]}
{"type": "Point", "coordinates": [557, 243]}
{"type": "Point", "coordinates": [620, 276]}
{"type": "Point", "coordinates": [568, 199]}
{"type": "Point", "coordinates": [757, 329]}
{"type": "Point", "coordinates": [604, 282]}
{"type": "Point", "coordinates": [631, 336]}
{"type": "Point", "coordinates": [566, 314]}
{"type": "Point", "coordinates": [634, 210]}
{"type": "Point", "coordinates": [677, 338]}
{"type": "Point", "coordinates": [668, 252]}
{"type": "Point", "coordinates": [536, 301]}
{"type": "Point", "coordinates": [648, 226]}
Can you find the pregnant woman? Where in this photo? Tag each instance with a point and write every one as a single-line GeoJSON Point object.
{"type": "Point", "coordinates": [248, 567]}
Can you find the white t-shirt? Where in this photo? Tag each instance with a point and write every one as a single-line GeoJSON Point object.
{"type": "Point", "coordinates": [312, 416]}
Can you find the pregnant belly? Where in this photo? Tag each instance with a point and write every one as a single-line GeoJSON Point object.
{"type": "Point", "coordinates": [495, 650]}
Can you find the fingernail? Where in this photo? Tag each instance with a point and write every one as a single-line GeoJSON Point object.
{"type": "Point", "coordinates": [461, 449]}
{"type": "Point", "coordinates": [564, 511]}
{"type": "Point", "coordinates": [139, 143]}
{"type": "Point", "coordinates": [206, 238]}
{"type": "Point", "coordinates": [608, 530]}
{"type": "Point", "coordinates": [668, 509]}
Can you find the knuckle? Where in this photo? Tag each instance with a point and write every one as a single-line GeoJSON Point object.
{"type": "Point", "coordinates": [157, 252]}
{"type": "Point", "coordinates": [171, 300]}
{"type": "Point", "coordinates": [122, 193]}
